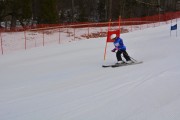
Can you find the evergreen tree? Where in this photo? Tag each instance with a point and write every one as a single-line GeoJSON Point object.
{"type": "Point", "coordinates": [18, 10]}
{"type": "Point", "coordinates": [47, 11]}
{"type": "Point", "coordinates": [83, 11]}
{"type": "Point", "coordinates": [54, 11]}
{"type": "Point", "coordinates": [2, 10]}
{"type": "Point", "coordinates": [102, 10]}
{"type": "Point", "coordinates": [26, 12]}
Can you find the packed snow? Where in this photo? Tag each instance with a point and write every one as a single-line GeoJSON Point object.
{"type": "Point", "coordinates": [67, 81]}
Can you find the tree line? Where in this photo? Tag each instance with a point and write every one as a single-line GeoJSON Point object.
{"type": "Point", "coordinates": [28, 12]}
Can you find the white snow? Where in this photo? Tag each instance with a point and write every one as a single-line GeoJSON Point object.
{"type": "Point", "coordinates": [67, 82]}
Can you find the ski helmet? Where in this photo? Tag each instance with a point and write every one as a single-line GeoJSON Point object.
{"type": "Point", "coordinates": [113, 36]}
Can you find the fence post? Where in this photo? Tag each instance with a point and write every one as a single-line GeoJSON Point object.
{"type": "Point", "coordinates": [1, 43]}
{"type": "Point", "coordinates": [147, 22]}
{"type": "Point", "coordinates": [25, 39]}
{"type": "Point", "coordinates": [59, 35]}
{"type": "Point", "coordinates": [43, 37]}
{"type": "Point", "coordinates": [132, 23]}
{"type": "Point", "coordinates": [101, 32]}
{"type": "Point", "coordinates": [88, 31]}
{"type": "Point", "coordinates": [74, 34]}
{"type": "Point", "coordinates": [154, 21]}
{"type": "Point", "coordinates": [140, 24]}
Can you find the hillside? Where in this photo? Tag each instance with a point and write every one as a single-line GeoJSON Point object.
{"type": "Point", "coordinates": [67, 82]}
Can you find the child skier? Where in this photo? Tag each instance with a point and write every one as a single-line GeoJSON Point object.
{"type": "Point", "coordinates": [121, 49]}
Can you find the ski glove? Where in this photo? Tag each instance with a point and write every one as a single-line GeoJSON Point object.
{"type": "Point", "coordinates": [114, 49]}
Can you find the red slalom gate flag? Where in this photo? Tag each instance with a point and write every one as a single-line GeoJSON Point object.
{"type": "Point", "coordinates": [117, 32]}
{"type": "Point", "coordinates": [109, 33]}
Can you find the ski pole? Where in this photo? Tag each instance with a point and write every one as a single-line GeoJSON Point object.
{"type": "Point", "coordinates": [133, 59]}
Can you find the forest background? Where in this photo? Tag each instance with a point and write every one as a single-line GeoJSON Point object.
{"type": "Point", "coordinates": [29, 12]}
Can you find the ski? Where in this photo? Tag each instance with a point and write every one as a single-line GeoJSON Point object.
{"type": "Point", "coordinates": [124, 64]}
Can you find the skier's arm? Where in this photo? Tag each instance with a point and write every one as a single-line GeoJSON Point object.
{"type": "Point", "coordinates": [114, 50]}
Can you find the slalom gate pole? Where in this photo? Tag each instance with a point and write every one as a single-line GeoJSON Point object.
{"type": "Point", "coordinates": [106, 41]}
{"type": "Point", "coordinates": [170, 28]}
{"type": "Point", "coordinates": [105, 52]}
{"type": "Point", "coordinates": [176, 29]}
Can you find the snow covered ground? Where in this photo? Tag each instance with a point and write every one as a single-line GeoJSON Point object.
{"type": "Point", "coordinates": [67, 82]}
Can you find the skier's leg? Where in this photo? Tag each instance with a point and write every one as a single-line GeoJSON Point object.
{"type": "Point", "coordinates": [126, 56]}
{"type": "Point", "coordinates": [118, 55]}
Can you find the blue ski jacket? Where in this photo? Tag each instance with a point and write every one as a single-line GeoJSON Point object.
{"type": "Point", "coordinates": [119, 45]}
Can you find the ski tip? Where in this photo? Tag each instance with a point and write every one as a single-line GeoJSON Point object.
{"type": "Point", "coordinates": [106, 66]}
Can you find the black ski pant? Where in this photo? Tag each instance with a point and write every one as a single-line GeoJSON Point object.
{"type": "Point", "coordinates": [125, 54]}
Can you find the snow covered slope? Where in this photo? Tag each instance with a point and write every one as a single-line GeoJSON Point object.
{"type": "Point", "coordinates": [67, 82]}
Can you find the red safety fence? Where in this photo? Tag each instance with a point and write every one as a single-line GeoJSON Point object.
{"type": "Point", "coordinates": [44, 34]}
